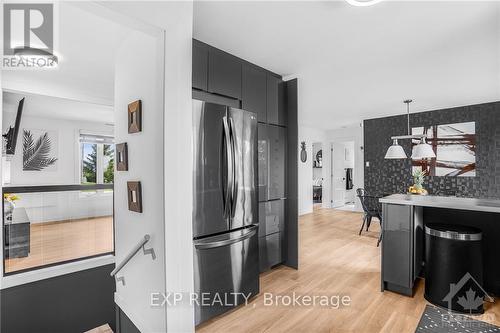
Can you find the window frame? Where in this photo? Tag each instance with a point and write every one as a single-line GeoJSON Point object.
{"type": "Point", "coordinates": [100, 140]}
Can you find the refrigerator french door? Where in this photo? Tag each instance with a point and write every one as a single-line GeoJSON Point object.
{"type": "Point", "coordinates": [225, 213]}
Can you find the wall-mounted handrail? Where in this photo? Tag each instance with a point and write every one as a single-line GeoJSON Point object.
{"type": "Point", "coordinates": [132, 253]}
{"type": "Point", "coordinates": [56, 188]}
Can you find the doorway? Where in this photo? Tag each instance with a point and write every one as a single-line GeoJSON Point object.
{"type": "Point", "coordinates": [317, 174]}
{"type": "Point", "coordinates": [342, 175]}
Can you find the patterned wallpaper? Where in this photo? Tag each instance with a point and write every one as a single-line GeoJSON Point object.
{"type": "Point", "coordinates": [394, 176]}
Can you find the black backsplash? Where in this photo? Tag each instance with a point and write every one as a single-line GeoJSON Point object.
{"type": "Point", "coordinates": [394, 176]}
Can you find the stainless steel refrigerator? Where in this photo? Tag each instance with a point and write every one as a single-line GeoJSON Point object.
{"type": "Point", "coordinates": [225, 215]}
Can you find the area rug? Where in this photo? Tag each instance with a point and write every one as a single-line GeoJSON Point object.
{"type": "Point", "coordinates": [436, 320]}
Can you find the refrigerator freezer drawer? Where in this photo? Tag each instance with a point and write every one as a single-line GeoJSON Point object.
{"type": "Point", "coordinates": [226, 269]}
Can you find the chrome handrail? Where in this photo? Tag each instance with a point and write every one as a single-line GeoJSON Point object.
{"type": "Point", "coordinates": [132, 253]}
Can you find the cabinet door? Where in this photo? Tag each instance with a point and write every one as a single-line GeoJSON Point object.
{"type": "Point", "coordinates": [200, 65]}
{"type": "Point", "coordinates": [224, 74]}
{"type": "Point", "coordinates": [263, 161]}
{"type": "Point", "coordinates": [253, 91]}
{"type": "Point", "coordinates": [269, 251]}
{"type": "Point", "coordinates": [277, 145]}
{"type": "Point", "coordinates": [271, 217]}
{"type": "Point", "coordinates": [396, 245]}
{"type": "Point", "coordinates": [276, 111]}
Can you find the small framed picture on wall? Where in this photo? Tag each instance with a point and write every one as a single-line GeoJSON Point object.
{"type": "Point", "coordinates": [135, 116]}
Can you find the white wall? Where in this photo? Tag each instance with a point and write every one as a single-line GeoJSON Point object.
{"type": "Point", "coordinates": [350, 133]}
{"type": "Point", "coordinates": [176, 18]}
{"type": "Point", "coordinates": [135, 79]}
{"type": "Point", "coordinates": [305, 170]}
{"type": "Point", "coordinates": [56, 206]}
{"type": "Point", "coordinates": [68, 152]}
{"type": "Point", "coordinates": [66, 206]}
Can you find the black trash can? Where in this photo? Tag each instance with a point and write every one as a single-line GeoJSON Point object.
{"type": "Point", "coordinates": [454, 267]}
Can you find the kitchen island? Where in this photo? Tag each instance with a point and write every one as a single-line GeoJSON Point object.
{"type": "Point", "coordinates": [403, 219]}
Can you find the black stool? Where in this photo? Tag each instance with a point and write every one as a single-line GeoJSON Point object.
{"type": "Point", "coordinates": [454, 267]}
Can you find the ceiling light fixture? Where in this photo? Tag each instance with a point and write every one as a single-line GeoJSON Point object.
{"type": "Point", "coordinates": [419, 152]}
{"type": "Point", "coordinates": [395, 151]}
{"type": "Point", "coordinates": [365, 3]}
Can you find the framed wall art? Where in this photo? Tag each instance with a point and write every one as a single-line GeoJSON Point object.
{"type": "Point", "coordinates": [134, 196]}
{"type": "Point", "coordinates": [135, 116]}
{"type": "Point", "coordinates": [122, 157]}
{"type": "Point", "coordinates": [455, 148]}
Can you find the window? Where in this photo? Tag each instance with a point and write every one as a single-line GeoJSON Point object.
{"type": "Point", "coordinates": [97, 159]}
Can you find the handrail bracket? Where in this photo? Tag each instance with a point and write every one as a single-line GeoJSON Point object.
{"type": "Point", "coordinates": [149, 251]}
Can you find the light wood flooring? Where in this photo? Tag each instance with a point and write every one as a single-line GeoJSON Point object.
{"type": "Point", "coordinates": [334, 260]}
{"type": "Point", "coordinates": [61, 241]}
{"type": "Point", "coordinates": [101, 329]}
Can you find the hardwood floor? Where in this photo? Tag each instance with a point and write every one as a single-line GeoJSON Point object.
{"type": "Point", "coordinates": [101, 329]}
{"type": "Point", "coordinates": [62, 241]}
{"type": "Point", "coordinates": [334, 260]}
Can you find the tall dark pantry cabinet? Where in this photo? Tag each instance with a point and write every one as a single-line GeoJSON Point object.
{"type": "Point", "coordinates": [220, 77]}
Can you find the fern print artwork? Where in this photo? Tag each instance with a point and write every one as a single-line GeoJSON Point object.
{"type": "Point", "coordinates": [38, 150]}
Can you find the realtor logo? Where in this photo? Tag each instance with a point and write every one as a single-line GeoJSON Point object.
{"type": "Point", "coordinates": [462, 294]}
{"type": "Point", "coordinates": [28, 35]}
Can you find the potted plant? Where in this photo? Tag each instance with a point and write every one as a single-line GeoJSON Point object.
{"type": "Point", "coordinates": [418, 182]}
{"type": "Point", "coordinates": [9, 204]}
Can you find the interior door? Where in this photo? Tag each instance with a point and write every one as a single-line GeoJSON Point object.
{"type": "Point", "coordinates": [338, 175]}
{"type": "Point", "coordinates": [211, 159]}
{"type": "Point", "coordinates": [243, 125]}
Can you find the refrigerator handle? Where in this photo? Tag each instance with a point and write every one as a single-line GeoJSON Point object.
{"type": "Point", "coordinates": [210, 245]}
{"type": "Point", "coordinates": [230, 170]}
{"type": "Point", "coordinates": [235, 179]}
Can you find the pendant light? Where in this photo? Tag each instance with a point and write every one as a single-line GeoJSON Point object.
{"type": "Point", "coordinates": [363, 3]}
{"type": "Point", "coordinates": [395, 151]}
{"type": "Point", "coordinates": [421, 151]}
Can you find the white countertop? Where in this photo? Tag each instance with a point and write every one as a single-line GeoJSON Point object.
{"type": "Point", "coordinates": [483, 205]}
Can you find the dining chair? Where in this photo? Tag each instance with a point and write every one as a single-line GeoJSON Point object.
{"type": "Point", "coordinates": [371, 208]}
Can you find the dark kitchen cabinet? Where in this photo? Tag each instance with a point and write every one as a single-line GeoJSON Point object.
{"type": "Point", "coordinates": [271, 217]}
{"type": "Point", "coordinates": [220, 78]}
{"type": "Point", "coordinates": [271, 162]}
{"type": "Point", "coordinates": [253, 91]}
{"type": "Point", "coordinates": [263, 161]}
{"type": "Point", "coordinates": [224, 74]}
{"type": "Point", "coordinates": [276, 111]}
{"type": "Point", "coordinates": [397, 262]}
{"type": "Point", "coordinates": [200, 65]}
{"type": "Point", "coordinates": [269, 251]}
{"type": "Point", "coordinates": [277, 145]}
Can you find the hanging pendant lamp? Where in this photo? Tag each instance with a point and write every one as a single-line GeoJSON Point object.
{"type": "Point", "coordinates": [419, 152]}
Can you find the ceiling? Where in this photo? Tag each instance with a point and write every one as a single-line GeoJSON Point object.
{"type": "Point", "coordinates": [356, 63]}
{"type": "Point", "coordinates": [57, 108]}
{"type": "Point", "coordinates": [85, 74]}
